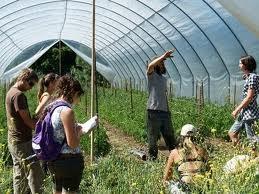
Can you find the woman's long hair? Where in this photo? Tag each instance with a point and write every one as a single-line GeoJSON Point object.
{"type": "Point", "coordinates": [188, 145]}
{"type": "Point", "coordinates": [67, 87]}
{"type": "Point", "coordinates": [44, 83]}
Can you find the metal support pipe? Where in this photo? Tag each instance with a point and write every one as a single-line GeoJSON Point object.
{"type": "Point", "coordinates": [59, 57]}
{"type": "Point", "coordinates": [93, 82]}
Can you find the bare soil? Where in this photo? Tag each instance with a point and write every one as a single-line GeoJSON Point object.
{"type": "Point", "coordinates": [121, 141]}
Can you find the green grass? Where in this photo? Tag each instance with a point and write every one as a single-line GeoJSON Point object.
{"type": "Point", "coordinates": [123, 173]}
{"type": "Point", "coordinates": [214, 120]}
{"type": "Point", "coordinates": [120, 172]}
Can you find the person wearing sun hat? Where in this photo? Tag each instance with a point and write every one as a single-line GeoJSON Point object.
{"type": "Point", "coordinates": [187, 158]}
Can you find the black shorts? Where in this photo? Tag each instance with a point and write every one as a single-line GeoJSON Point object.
{"type": "Point", "coordinates": [66, 172]}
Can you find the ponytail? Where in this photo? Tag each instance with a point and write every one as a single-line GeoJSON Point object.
{"type": "Point", "coordinates": [41, 88]}
{"type": "Point", "coordinates": [44, 83]}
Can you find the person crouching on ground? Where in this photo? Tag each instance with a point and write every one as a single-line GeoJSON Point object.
{"type": "Point", "coordinates": [247, 111]}
{"type": "Point", "coordinates": [188, 159]}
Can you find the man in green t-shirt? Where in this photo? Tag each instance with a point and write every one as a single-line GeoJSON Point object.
{"type": "Point", "coordinates": [26, 179]}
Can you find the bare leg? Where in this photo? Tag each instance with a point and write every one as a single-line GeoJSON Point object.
{"type": "Point", "coordinates": [234, 137]}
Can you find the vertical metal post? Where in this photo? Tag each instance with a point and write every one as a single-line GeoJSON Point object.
{"type": "Point", "coordinates": [138, 86]}
{"type": "Point", "coordinates": [196, 95]}
{"type": "Point", "coordinates": [131, 99]}
{"type": "Point", "coordinates": [173, 89]}
{"type": "Point", "coordinates": [229, 95]}
{"type": "Point", "coordinates": [142, 88]}
{"type": "Point", "coordinates": [6, 88]}
{"type": "Point", "coordinates": [59, 56]}
{"type": "Point", "coordinates": [115, 89]}
{"type": "Point", "coordinates": [202, 94]}
{"type": "Point", "coordinates": [126, 85]}
{"type": "Point", "coordinates": [170, 90]}
{"type": "Point", "coordinates": [200, 98]}
{"type": "Point", "coordinates": [235, 90]}
{"type": "Point", "coordinates": [93, 81]}
{"type": "Point", "coordinates": [103, 90]}
{"type": "Point", "coordinates": [135, 86]}
{"type": "Point", "coordinates": [193, 87]}
{"type": "Point", "coordinates": [86, 101]}
{"type": "Point", "coordinates": [112, 88]}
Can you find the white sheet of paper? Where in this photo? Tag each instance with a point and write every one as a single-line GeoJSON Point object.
{"type": "Point", "coordinates": [88, 125]}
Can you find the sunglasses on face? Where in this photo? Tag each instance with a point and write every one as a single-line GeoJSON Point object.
{"type": "Point", "coordinates": [31, 83]}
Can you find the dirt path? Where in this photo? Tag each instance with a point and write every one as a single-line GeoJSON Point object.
{"type": "Point", "coordinates": [121, 141]}
{"type": "Point", "coordinates": [219, 143]}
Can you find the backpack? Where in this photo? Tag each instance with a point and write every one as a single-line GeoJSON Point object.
{"type": "Point", "coordinates": [43, 143]}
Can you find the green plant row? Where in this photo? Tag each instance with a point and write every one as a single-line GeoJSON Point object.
{"type": "Point", "coordinates": [122, 172]}
{"type": "Point", "coordinates": [116, 107]}
{"type": "Point", "coordinates": [213, 121]}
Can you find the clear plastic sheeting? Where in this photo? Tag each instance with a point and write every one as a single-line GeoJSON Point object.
{"type": "Point", "coordinates": [208, 40]}
{"type": "Point", "coordinates": [28, 57]}
{"type": "Point", "coordinates": [85, 53]}
{"type": "Point", "coordinates": [245, 11]}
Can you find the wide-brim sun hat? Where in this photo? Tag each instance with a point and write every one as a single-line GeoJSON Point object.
{"type": "Point", "coordinates": [188, 130]}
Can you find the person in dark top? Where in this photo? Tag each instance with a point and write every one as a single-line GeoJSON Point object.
{"type": "Point", "coordinates": [247, 111]}
{"type": "Point", "coordinates": [26, 179]}
{"type": "Point", "coordinates": [158, 114]}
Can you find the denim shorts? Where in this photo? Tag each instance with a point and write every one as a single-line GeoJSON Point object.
{"type": "Point", "coordinates": [241, 124]}
{"type": "Point", "coordinates": [67, 172]}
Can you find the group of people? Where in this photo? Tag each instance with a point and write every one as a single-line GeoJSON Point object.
{"type": "Point", "coordinates": [67, 169]}
{"type": "Point", "coordinates": [187, 156]}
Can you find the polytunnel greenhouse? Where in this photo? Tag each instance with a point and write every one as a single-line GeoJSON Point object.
{"type": "Point", "coordinates": [133, 96]}
{"type": "Point", "coordinates": [208, 40]}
